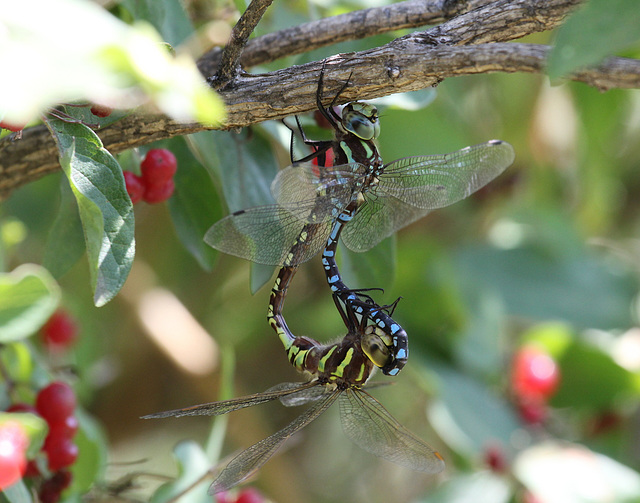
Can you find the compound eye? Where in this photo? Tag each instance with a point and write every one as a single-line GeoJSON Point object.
{"type": "Point", "coordinates": [374, 347]}
{"type": "Point", "coordinates": [360, 125]}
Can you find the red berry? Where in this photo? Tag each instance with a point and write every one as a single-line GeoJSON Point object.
{"type": "Point", "coordinates": [495, 458]}
{"type": "Point", "coordinates": [101, 111]}
{"type": "Point", "coordinates": [56, 402]}
{"type": "Point", "coordinates": [534, 374]}
{"type": "Point", "coordinates": [135, 186]}
{"type": "Point", "coordinates": [11, 127]}
{"type": "Point", "coordinates": [159, 193]}
{"type": "Point", "coordinates": [158, 167]}
{"type": "Point", "coordinates": [51, 488]}
{"type": "Point", "coordinates": [533, 411]}
{"type": "Point", "coordinates": [65, 428]}
{"type": "Point", "coordinates": [60, 331]}
{"type": "Point", "coordinates": [22, 407]}
{"type": "Point", "coordinates": [13, 447]}
{"type": "Point", "coordinates": [32, 469]}
{"type": "Point", "coordinates": [61, 452]}
{"type": "Point", "coordinates": [250, 495]}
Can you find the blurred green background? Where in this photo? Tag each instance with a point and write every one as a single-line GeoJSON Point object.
{"type": "Point", "coordinates": [548, 252]}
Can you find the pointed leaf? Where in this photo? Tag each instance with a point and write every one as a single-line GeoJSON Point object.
{"type": "Point", "coordinates": [600, 28]}
{"type": "Point", "coordinates": [28, 297]}
{"type": "Point", "coordinates": [104, 205]}
{"type": "Point", "coordinates": [65, 243]}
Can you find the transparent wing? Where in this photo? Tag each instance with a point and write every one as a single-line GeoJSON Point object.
{"type": "Point", "coordinates": [223, 407]}
{"type": "Point", "coordinates": [370, 426]}
{"type": "Point", "coordinates": [305, 181]}
{"type": "Point", "coordinates": [309, 199]}
{"type": "Point", "coordinates": [303, 397]}
{"type": "Point", "coordinates": [251, 459]}
{"type": "Point", "coordinates": [377, 219]}
{"type": "Point", "coordinates": [265, 234]}
{"type": "Point", "coordinates": [410, 188]}
{"type": "Point", "coordinates": [431, 182]}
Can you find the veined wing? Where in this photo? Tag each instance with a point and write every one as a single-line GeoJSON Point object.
{"type": "Point", "coordinates": [266, 234]}
{"type": "Point", "coordinates": [306, 181]}
{"type": "Point", "coordinates": [303, 397]}
{"type": "Point", "coordinates": [251, 459]}
{"type": "Point", "coordinates": [378, 218]}
{"type": "Point", "coordinates": [223, 407]}
{"type": "Point", "coordinates": [410, 188]}
{"type": "Point", "coordinates": [370, 426]}
{"type": "Point", "coordinates": [435, 181]}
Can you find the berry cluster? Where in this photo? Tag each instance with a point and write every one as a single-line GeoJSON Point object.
{"type": "Point", "coordinates": [534, 380]}
{"type": "Point", "coordinates": [55, 404]}
{"type": "Point", "coordinates": [155, 183]}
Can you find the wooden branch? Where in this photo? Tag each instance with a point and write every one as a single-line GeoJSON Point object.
{"type": "Point", "coordinates": [353, 25]}
{"type": "Point", "coordinates": [241, 32]}
{"type": "Point", "coordinates": [412, 62]}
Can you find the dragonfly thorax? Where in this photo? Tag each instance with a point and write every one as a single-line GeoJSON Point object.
{"type": "Point", "coordinates": [361, 119]}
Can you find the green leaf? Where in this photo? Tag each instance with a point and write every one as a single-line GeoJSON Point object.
{"type": "Point", "coordinates": [193, 465]}
{"type": "Point", "coordinates": [16, 493]}
{"type": "Point", "coordinates": [18, 361]}
{"type": "Point", "coordinates": [167, 16]}
{"type": "Point", "coordinates": [540, 287]}
{"type": "Point", "coordinates": [468, 416]}
{"type": "Point", "coordinates": [65, 243]}
{"type": "Point", "coordinates": [371, 268]}
{"type": "Point", "coordinates": [591, 379]}
{"type": "Point", "coordinates": [28, 297]}
{"type": "Point", "coordinates": [245, 168]}
{"type": "Point", "coordinates": [195, 205]}
{"type": "Point", "coordinates": [104, 205]}
{"type": "Point", "coordinates": [92, 453]}
{"type": "Point", "coordinates": [598, 29]}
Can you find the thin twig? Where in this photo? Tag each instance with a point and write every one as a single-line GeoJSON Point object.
{"type": "Point", "coordinates": [474, 22]}
{"type": "Point", "coordinates": [239, 35]}
{"type": "Point", "coordinates": [349, 26]}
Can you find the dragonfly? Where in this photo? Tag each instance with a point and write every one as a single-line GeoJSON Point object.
{"type": "Point", "coordinates": [360, 199]}
{"type": "Point", "coordinates": [339, 372]}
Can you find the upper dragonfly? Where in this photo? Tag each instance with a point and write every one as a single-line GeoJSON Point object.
{"type": "Point", "coordinates": [382, 198]}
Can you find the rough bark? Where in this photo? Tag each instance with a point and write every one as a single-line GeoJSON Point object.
{"type": "Point", "coordinates": [472, 42]}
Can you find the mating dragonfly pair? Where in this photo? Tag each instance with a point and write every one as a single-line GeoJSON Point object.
{"type": "Point", "coordinates": [361, 200]}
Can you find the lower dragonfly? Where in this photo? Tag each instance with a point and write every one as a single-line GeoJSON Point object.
{"type": "Point", "coordinates": [339, 373]}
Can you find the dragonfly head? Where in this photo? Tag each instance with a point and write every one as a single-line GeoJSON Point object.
{"type": "Point", "coordinates": [361, 119]}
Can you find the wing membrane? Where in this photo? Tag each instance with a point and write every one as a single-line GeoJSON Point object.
{"type": "Point", "coordinates": [223, 407]}
{"type": "Point", "coordinates": [370, 426]}
{"type": "Point", "coordinates": [436, 181]}
{"type": "Point", "coordinates": [410, 188]}
{"type": "Point", "coordinates": [250, 460]}
{"type": "Point", "coordinates": [265, 234]}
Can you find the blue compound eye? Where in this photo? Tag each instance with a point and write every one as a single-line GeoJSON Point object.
{"type": "Point", "coordinates": [361, 119]}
